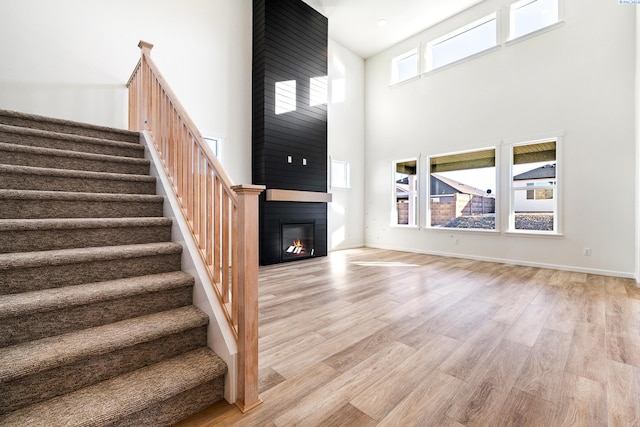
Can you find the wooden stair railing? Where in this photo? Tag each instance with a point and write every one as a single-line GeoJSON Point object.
{"type": "Point", "coordinates": [223, 218]}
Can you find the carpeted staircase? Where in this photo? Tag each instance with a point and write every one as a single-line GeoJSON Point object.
{"type": "Point", "coordinates": [97, 326]}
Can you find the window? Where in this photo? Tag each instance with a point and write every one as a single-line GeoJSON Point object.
{"type": "Point", "coordinates": [318, 91]}
{"type": "Point", "coordinates": [534, 195]}
{"type": "Point", "coordinates": [285, 96]}
{"type": "Point", "coordinates": [405, 194]}
{"type": "Point", "coordinates": [527, 16]}
{"type": "Point", "coordinates": [404, 67]}
{"type": "Point", "coordinates": [462, 190]}
{"type": "Point", "coordinates": [466, 41]}
{"type": "Point", "coordinates": [214, 144]}
{"type": "Point", "coordinates": [340, 174]}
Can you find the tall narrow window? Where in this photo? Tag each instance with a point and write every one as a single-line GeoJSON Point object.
{"type": "Point", "coordinates": [405, 198]}
{"type": "Point", "coordinates": [285, 96]}
{"type": "Point", "coordinates": [463, 42]}
{"type": "Point", "coordinates": [534, 184]}
{"type": "Point", "coordinates": [527, 16]}
{"type": "Point", "coordinates": [404, 67]}
{"type": "Point", "coordinates": [462, 190]}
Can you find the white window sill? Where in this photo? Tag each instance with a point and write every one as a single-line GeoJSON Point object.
{"type": "Point", "coordinates": [537, 234]}
{"type": "Point", "coordinates": [462, 230]}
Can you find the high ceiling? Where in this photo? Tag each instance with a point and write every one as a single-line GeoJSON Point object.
{"type": "Point", "coordinates": [355, 23]}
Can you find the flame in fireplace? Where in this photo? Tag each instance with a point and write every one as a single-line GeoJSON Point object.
{"type": "Point", "coordinates": [297, 248]}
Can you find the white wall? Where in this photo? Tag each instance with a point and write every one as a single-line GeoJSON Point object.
{"type": "Point", "coordinates": [346, 143]}
{"type": "Point", "coordinates": [637, 252]}
{"type": "Point", "coordinates": [72, 58]}
{"type": "Point", "coordinates": [577, 79]}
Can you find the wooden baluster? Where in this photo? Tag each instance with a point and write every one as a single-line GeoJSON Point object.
{"type": "Point", "coordinates": [145, 85]}
{"type": "Point", "coordinates": [246, 228]}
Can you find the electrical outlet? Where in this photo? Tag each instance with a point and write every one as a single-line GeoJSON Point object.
{"type": "Point", "coordinates": [586, 252]}
{"type": "Point", "coordinates": [456, 241]}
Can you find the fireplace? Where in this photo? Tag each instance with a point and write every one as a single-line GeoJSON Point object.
{"type": "Point", "coordinates": [289, 148]}
{"type": "Point", "coordinates": [298, 241]}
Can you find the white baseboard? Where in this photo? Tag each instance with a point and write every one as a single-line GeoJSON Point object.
{"type": "Point", "coordinates": [513, 262]}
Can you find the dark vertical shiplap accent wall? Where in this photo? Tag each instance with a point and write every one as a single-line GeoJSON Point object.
{"type": "Point", "coordinates": [290, 42]}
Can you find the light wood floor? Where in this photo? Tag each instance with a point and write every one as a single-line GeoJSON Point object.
{"type": "Point", "coordinates": [369, 337]}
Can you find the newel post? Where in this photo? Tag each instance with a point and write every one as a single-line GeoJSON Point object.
{"type": "Point", "coordinates": [144, 106]}
{"type": "Point", "coordinates": [246, 226]}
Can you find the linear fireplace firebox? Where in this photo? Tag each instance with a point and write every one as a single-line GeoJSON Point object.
{"type": "Point", "coordinates": [298, 240]}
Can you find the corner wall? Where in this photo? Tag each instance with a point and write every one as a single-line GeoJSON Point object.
{"type": "Point", "coordinates": [572, 79]}
{"type": "Point", "coordinates": [346, 143]}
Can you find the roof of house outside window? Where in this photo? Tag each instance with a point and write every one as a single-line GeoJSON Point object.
{"type": "Point", "coordinates": [543, 172]}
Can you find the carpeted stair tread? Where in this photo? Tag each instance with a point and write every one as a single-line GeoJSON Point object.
{"type": "Point", "coordinates": [66, 141]}
{"type": "Point", "coordinates": [109, 401]}
{"type": "Point", "coordinates": [63, 159]}
{"type": "Point", "coordinates": [16, 177]}
{"type": "Point", "coordinates": [80, 223]}
{"type": "Point", "coordinates": [77, 196]}
{"type": "Point", "coordinates": [70, 173]}
{"type": "Point", "coordinates": [28, 358]}
{"type": "Point", "coordinates": [74, 154]}
{"type": "Point", "coordinates": [83, 255]}
{"type": "Point", "coordinates": [46, 234]}
{"type": "Point", "coordinates": [62, 298]}
{"type": "Point", "coordinates": [15, 118]}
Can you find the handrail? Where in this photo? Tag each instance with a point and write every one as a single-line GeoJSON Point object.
{"type": "Point", "coordinates": [222, 217]}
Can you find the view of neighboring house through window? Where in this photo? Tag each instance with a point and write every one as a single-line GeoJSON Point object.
{"type": "Point", "coordinates": [534, 187]}
{"type": "Point", "coordinates": [404, 67]}
{"type": "Point", "coordinates": [406, 192]}
{"type": "Point", "coordinates": [463, 42]}
{"type": "Point", "coordinates": [462, 190]}
{"type": "Point", "coordinates": [527, 16]}
{"type": "Point", "coordinates": [285, 96]}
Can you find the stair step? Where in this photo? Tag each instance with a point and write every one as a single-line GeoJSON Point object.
{"type": "Point", "coordinates": [35, 315]}
{"type": "Point", "coordinates": [70, 142]}
{"type": "Point", "coordinates": [46, 179]}
{"type": "Point", "coordinates": [31, 271]}
{"type": "Point", "coordinates": [34, 121]}
{"type": "Point", "coordinates": [69, 362]}
{"type": "Point", "coordinates": [22, 155]}
{"type": "Point", "coordinates": [130, 395]}
{"type": "Point", "coordinates": [28, 235]}
{"type": "Point", "coordinates": [62, 204]}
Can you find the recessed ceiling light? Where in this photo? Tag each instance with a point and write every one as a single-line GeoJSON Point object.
{"type": "Point", "coordinates": [382, 22]}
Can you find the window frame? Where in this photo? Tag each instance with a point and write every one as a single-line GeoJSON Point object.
{"type": "Point", "coordinates": [510, 37]}
{"type": "Point", "coordinates": [395, 74]}
{"type": "Point", "coordinates": [556, 188]}
{"type": "Point", "coordinates": [413, 194]}
{"type": "Point", "coordinates": [497, 198]}
{"type": "Point", "coordinates": [428, 50]}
